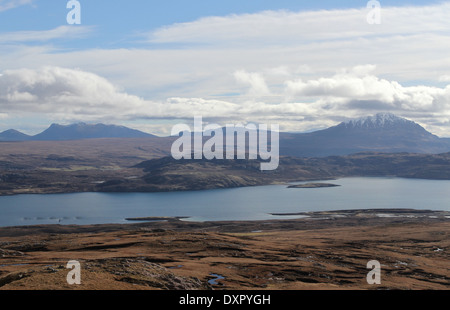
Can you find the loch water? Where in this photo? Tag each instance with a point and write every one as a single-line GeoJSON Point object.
{"type": "Point", "coordinates": [248, 203]}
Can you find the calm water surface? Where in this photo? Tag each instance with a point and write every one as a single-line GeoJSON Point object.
{"type": "Point", "coordinates": [252, 203]}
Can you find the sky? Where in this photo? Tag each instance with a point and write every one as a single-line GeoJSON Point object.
{"type": "Point", "coordinates": [149, 65]}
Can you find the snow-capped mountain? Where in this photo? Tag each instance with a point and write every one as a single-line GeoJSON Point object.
{"type": "Point", "coordinates": [384, 122]}
{"type": "Point", "coordinates": [383, 132]}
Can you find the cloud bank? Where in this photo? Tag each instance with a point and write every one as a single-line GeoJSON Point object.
{"type": "Point", "coordinates": [78, 95]}
{"type": "Point", "coordinates": [289, 28]}
{"type": "Point", "coordinates": [61, 32]}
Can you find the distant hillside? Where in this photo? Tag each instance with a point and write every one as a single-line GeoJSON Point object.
{"type": "Point", "coordinates": [58, 174]}
{"type": "Point", "coordinates": [167, 174]}
{"type": "Point", "coordinates": [84, 131]}
{"type": "Point", "coordinates": [383, 132]}
{"type": "Point", "coordinates": [78, 131]}
{"type": "Point", "coordinates": [14, 135]}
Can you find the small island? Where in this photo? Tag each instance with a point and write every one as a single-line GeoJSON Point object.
{"type": "Point", "coordinates": [156, 218]}
{"type": "Point", "coordinates": [313, 185]}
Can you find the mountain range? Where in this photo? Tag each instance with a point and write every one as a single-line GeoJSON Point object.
{"type": "Point", "coordinates": [77, 131]}
{"type": "Point", "coordinates": [383, 133]}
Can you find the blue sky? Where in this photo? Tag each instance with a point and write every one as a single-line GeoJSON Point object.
{"type": "Point", "coordinates": [148, 64]}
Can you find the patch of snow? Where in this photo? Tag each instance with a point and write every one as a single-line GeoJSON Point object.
{"type": "Point", "coordinates": [378, 120]}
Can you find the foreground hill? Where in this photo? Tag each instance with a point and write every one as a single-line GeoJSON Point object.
{"type": "Point", "coordinates": [327, 250]}
{"type": "Point", "coordinates": [167, 173]}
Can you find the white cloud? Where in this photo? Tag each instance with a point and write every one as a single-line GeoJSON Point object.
{"type": "Point", "coordinates": [74, 94]}
{"type": "Point", "coordinates": [61, 32]}
{"type": "Point", "coordinates": [12, 4]}
{"type": "Point", "coordinates": [78, 95]}
{"type": "Point", "coordinates": [56, 90]}
{"type": "Point", "coordinates": [444, 78]}
{"type": "Point", "coordinates": [255, 81]}
{"type": "Point", "coordinates": [367, 87]}
{"type": "Point", "coordinates": [290, 28]}
{"type": "Point", "coordinates": [353, 90]}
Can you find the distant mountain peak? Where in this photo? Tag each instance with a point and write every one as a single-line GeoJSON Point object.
{"type": "Point", "coordinates": [13, 135]}
{"type": "Point", "coordinates": [11, 131]}
{"type": "Point", "coordinates": [88, 131]}
{"type": "Point", "coordinates": [383, 132]}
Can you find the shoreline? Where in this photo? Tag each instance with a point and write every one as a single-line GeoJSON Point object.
{"type": "Point", "coordinates": [303, 215]}
{"type": "Point", "coordinates": [351, 217]}
{"type": "Point", "coordinates": [399, 213]}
